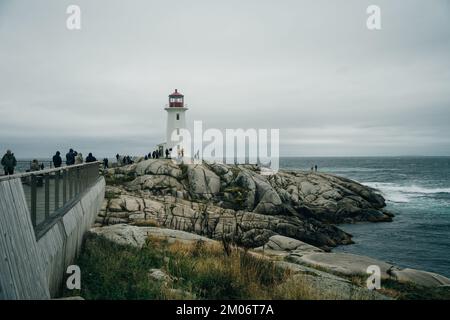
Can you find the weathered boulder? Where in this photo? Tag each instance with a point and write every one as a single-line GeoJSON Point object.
{"type": "Point", "coordinates": [423, 278]}
{"type": "Point", "coordinates": [343, 263]}
{"type": "Point", "coordinates": [325, 286]}
{"type": "Point", "coordinates": [158, 167]}
{"type": "Point", "coordinates": [137, 236]}
{"type": "Point", "coordinates": [351, 264]}
{"type": "Point", "coordinates": [283, 246]}
{"type": "Point", "coordinates": [223, 171]}
{"type": "Point", "coordinates": [155, 182]}
{"type": "Point", "coordinates": [203, 183]}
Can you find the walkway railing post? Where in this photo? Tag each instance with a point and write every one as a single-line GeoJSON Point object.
{"type": "Point", "coordinates": [47, 195]}
{"type": "Point", "coordinates": [71, 183]}
{"type": "Point", "coordinates": [64, 174]}
{"type": "Point", "coordinates": [33, 200]}
{"type": "Point", "coordinates": [57, 176]}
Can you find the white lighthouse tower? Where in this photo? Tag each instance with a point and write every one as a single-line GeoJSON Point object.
{"type": "Point", "coordinates": [176, 120]}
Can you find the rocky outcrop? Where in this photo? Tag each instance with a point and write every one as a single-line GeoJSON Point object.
{"type": "Point", "coordinates": [324, 197]}
{"type": "Point", "coordinates": [245, 228]}
{"type": "Point", "coordinates": [237, 202]}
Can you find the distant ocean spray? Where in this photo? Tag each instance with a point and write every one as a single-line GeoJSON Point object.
{"type": "Point", "coordinates": [417, 190]}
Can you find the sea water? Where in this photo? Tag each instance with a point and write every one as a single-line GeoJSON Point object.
{"type": "Point", "coordinates": [417, 191]}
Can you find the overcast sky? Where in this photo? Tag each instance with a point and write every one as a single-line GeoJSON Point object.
{"type": "Point", "coordinates": [309, 68]}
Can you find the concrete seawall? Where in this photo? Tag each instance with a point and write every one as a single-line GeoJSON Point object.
{"type": "Point", "coordinates": [32, 268]}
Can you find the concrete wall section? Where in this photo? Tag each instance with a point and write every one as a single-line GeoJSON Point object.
{"type": "Point", "coordinates": [22, 273]}
{"type": "Point", "coordinates": [31, 269]}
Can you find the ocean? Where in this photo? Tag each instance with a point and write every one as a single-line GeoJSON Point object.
{"type": "Point", "coordinates": [417, 191]}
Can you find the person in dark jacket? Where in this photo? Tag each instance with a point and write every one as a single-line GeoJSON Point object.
{"type": "Point", "coordinates": [57, 160]}
{"type": "Point", "coordinates": [167, 153]}
{"type": "Point", "coordinates": [105, 163]}
{"type": "Point", "coordinates": [70, 158]}
{"type": "Point", "coordinates": [9, 162]}
{"type": "Point", "coordinates": [90, 158]}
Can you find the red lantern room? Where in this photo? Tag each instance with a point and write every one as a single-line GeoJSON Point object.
{"type": "Point", "coordinates": [176, 100]}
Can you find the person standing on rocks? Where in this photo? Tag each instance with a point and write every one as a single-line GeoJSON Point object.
{"type": "Point", "coordinates": [9, 162]}
{"type": "Point", "coordinates": [105, 163]}
{"type": "Point", "coordinates": [167, 153]}
{"type": "Point", "coordinates": [315, 167]}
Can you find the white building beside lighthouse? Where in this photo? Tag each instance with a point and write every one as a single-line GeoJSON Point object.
{"type": "Point", "coordinates": [176, 120]}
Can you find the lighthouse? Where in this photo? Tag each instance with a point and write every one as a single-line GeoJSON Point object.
{"type": "Point", "coordinates": [176, 119]}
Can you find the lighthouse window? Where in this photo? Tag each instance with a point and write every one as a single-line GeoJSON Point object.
{"type": "Point", "coordinates": [178, 116]}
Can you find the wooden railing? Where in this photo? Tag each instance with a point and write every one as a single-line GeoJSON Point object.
{"type": "Point", "coordinates": [53, 192]}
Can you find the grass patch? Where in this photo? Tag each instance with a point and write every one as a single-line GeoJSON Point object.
{"type": "Point", "coordinates": [199, 271]}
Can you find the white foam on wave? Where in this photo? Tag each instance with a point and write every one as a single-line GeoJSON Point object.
{"type": "Point", "coordinates": [398, 193]}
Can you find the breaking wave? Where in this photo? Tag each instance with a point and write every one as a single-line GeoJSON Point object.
{"type": "Point", "coordinates": [398, 193]}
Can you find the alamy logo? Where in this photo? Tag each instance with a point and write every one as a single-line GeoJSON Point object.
{"type": "Point", "coordinates": [374, 19]}
{"type": "Point", "coordinates": [74, 279]}
{"type": "Point", "coordinates": [250, 146]}
{"type": "Point", "coordinates": [73, 22]}
{"type": "Point", "coordinates": [374, 280]}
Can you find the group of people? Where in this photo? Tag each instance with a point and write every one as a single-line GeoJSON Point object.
{"type": "Point", "coordinates": [72, 157]}
{"type": "Point", "coordinates": [125, 160]}
{"type": "Point", "coordinates": [159, 154]}
{"type": "Point", "coordinates": [314, 168]}
{"type": "Point", "coordinates": [9, 161]}
{"type": "Point", "coordinates": [156, 154]}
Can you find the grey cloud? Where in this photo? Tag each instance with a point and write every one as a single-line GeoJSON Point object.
{"type": "Point", "coordinates": [309, 68]}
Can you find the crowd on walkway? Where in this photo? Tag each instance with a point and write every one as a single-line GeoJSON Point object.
{"type": "Point", "coordinates": [73, 157]}
{"type": "Point", "coordinates": [9, 161]}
